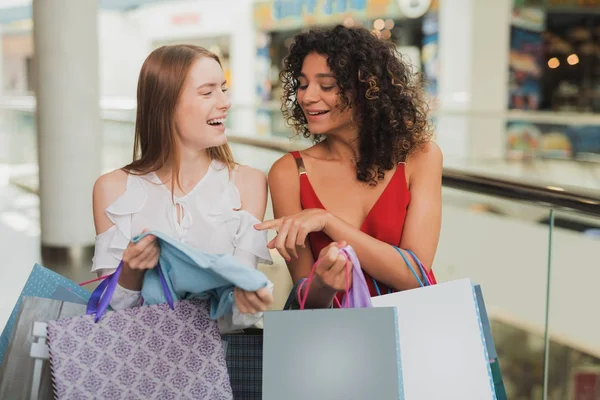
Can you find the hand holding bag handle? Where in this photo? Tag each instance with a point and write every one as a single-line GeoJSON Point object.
{"type": "Point", "coordinates": [356, 296]}
{"type": "Point", "coordinates": [102, 295]}
{"type": "Point", "coordinates": [302, 299]}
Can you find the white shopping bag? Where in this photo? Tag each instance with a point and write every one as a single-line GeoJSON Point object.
{"type": "Point", "coordinates": [442, 346]}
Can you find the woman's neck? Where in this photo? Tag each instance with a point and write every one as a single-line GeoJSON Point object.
{"type": "Point", "coordinates": [343, 145]}
{"type": "Point", "coordinates": [193, 165]}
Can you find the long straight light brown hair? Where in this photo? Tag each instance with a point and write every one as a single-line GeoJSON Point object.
{"type": "Point", "coordinates": [159, 87]}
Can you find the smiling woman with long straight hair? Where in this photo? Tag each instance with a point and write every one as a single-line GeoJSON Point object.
{"type": "Point", "coordinates": [183, 180]}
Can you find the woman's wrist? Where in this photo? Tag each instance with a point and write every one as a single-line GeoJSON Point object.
{"type": "Point", "coordinates": [320, 295]}
{"type": "Point", "coordinates": [131, 279]}
{"type": "Point", "coordinates": [328, 221]}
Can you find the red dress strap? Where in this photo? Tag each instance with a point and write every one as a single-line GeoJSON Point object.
{"type": "Point", "coordinates": [308, 197]}
{"type": "Point", "coordinates": [299, 162]}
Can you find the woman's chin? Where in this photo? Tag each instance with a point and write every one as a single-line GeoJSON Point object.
{"type": "Point", "coordinates": [219, 140]}
{"type": "Point", "coordinates": [315, 129]}
{"type": "Point", "coordinates": [215, 141]}
{"type": "Point", "coordinates": [320, 131]}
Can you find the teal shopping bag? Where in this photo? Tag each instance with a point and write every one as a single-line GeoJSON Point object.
{"type": "Point", "coordinates": [491, 347]}
{"type": "Point", "coordinates": [48, 285]}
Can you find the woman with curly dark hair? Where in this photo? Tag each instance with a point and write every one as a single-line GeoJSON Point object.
{"type": "Point", "coordinates": [373, 178]}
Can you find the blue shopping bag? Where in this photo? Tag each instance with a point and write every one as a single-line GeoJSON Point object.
{"type": "Point", "coordinates": [48, 285]}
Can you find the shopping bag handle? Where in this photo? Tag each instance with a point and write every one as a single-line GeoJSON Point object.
{"type": "Point", "coordinates": [419, 265]}
{"type": "Point", "coordinates": [359, 293]}
{"type": "Point", "coordinates": [308, 281]}
{"type": "Point", "coordinates": [102, 295]}
{"type": "Point", "coordinates": [101, 278]}
{"type": "Point", "coordinates": [428, 274]}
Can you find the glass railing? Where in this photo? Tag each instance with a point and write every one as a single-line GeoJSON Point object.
{"type": "Point", "coordinates": [533, 250]}
{"type": "Point", "coordinates": [532, 246]}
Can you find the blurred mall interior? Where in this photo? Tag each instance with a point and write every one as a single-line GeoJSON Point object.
{"type": "Point", "coordinates": [514, 88]}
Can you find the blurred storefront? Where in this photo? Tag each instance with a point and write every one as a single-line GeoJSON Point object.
{"type": "Point", "coordinates": [16, 46]}
{"type": "Point", "coordinates": [126, 37]}
{"type": "Point", "coordinates": [457, 44]}
{"type": "Point", "coordinates": [408, 24]}
{"type": "Point", "coordinates": [554, 91]}
{"type": "Point", "coordinates": [222, 26]}
{"type": "Point", "coordinates": [527, 85]}
{"type": "Point", "coordinates": [184, 26]}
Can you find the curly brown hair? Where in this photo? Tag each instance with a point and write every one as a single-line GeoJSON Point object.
{"type": "Point", "coordinates": [386, 97]}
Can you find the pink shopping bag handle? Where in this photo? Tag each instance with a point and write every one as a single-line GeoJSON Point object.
{"type": "Point", "coordinates": [302, 299]}
{"type": "Point", "coordinates": [101, 279]}
{"type": "Point", "coordinates": [94, 280]}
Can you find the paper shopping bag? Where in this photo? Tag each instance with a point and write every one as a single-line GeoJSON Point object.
{"type": "Point", "coordinates": [491, 347]}
{"type": "Point", "coordinates": [170, 350]}
{"type": "Point", "coordinates": [18, 379]}
{"type": "Point", "coordinates": [346, 353]}
{"type": "Point", "coordinates": [331, 354]}
{"type": "Point", "coordinates": [148, 352]}
{"type": "Point", "coordinates": [442, 344]}
{"type": "Point", "coordinates": [45, 284]}
{"type": "Point", "coordinates": [428, 280]}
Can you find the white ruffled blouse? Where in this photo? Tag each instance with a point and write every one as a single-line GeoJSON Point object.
{"type": "Point", "coordinates": [211, 220]}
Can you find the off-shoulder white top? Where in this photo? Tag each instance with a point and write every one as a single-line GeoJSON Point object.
{"type": "Point", "coordinates": [211, 220]}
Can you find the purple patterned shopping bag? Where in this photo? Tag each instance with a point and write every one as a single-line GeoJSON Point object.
{"type": "Point", "coordinates": [163, 351]}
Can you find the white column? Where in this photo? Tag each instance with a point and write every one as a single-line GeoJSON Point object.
{"type": "Point", "coordinates": [68, 119]}
{"type": "Point", "coordinates": [242, 56]}
{"type": "Point", "coordinates": [474, 42]}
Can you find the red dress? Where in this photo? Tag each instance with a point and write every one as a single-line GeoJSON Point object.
{"type": "Point", "coordinates": [385, 221]}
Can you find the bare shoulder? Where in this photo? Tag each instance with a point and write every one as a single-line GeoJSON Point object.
{"type": "Point", "coordinates": [284, 184]}
{"type": "Point", "coordinates": [283, 169]}
{"type": "Point", "coordinates": [249, 178]}
{"type": "Point", "coordinates": [252, 185]}
{"type": "Point", "coordinates": [109, 187]}
{"type": "Point", "coordinates": [428, 154]}
{"type": "Point", "coordinates": [425, 161]}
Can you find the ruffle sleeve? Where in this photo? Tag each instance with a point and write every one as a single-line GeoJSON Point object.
{"type": "Point", "coordinates": [111, 244]}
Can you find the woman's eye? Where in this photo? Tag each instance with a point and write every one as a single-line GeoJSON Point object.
{"type": "Point", "coordinates": [206, 94]}
{"type": "Point", "coordinates": [302, 87]}
{"type": "Point", "coordinates": [327, 88]}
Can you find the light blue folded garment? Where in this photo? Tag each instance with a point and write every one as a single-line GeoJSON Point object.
{"type": "Point", "coordinates": [192, 273]}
